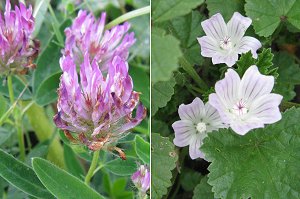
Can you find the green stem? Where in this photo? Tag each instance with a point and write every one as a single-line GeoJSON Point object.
{"type": "Point", "coordinates": [18, 119]}
{"type": "Point", "coordinates": [10, 89]}
{"type": "Point", "coordinates": [129, 15]}
{"type": "Point", "coordinates": [192, 72]}
{"type": "Point", "coordinates": [93, 166]}
{"type": "Point", "coordinates": [20, 135]}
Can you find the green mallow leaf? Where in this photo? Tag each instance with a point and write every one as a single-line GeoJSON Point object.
{"type": "Point", "coordinates": [60, 183]}
{"type": "Point", "coordinates": [189, 179]}
{"type": "Point", "coordinates": [289, 75]}
{"type": "Point", "coordinates": [161, 93]}
{"type": "Point", "coordinates": [46, 92]}
{"type": "Point", "coordinates": [268, 14]}
{"type": "Point", "coordinates": [163, 10]}
{"type": "Point", "coordinates": [263, 62]}
{"type": "Point", "coordinates": [72, 163]}
{"type": "Point", "coordinates": [165, 55]}
{"type": "Point", "coordinates": [142, 149]}
{"type": "Point", "coordinates": [21, 176]}
{"type": "Point", "coordinates": [264, 163]}
{"type": "Point", "coordinates": [122, 167]}
{"type": "Point", "coordinates": [246, 60]}
{"type": "Point", "coordinates": [203, 190]}
{"type": "Point", "coordinates": [163, 161]}
{"type": "Point", "coordinates": [225, 7]}
{"type": "Point", "coordinates": [48, 61]}
{"type": "Point", "coordinates": [187, 28]}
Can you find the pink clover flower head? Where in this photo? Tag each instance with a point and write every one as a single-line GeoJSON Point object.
{"type": "Point", "coordinates": [141, 179]}
{"type": "Point", "coordinates": [17, 49]}
{"type": "Point", "coordinates": [246, 103]}
{"type": "Point", "coordinates": [224, 42]}
{"type": "Point", "coordinates": [87, 34]}
{"type": "Point", "coordinates": [196, 121]}
{"type": "Point", "coordinates": [99, 108]}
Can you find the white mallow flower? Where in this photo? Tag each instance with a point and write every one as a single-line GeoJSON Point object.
{"type": "Point", "coordinates": [196, 121]}
{"type": "Point", "coordinates": [246, 103]}
{"type": "Point", "coordinates": [224, 42]}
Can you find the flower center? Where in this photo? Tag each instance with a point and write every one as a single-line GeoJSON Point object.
{"type": "Point", "coordinates": [239, 108]}
{"type": "Point", "coordinates": [226, 43]}
{"type": "Point", "coordinates": [201, 127]}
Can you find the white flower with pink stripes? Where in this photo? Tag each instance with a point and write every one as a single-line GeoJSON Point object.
{"type": "Point", "coordinates": [224, 42]}
{"type": "Point", "coordinates": [246, 103]}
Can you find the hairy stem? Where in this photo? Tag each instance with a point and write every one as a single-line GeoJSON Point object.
{"type": "Point", "coordinates": [93, 166]}
{"type": "Point", "coordinates": [18, 119]}
{"type": "Point", "coordinates": [129, 15]}
{"type": "Point", "coordinates": [10, 89]}
{"type": "Point", "coordinates": [192, 72]}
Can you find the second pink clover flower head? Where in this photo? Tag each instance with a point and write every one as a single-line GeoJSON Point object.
{"type": "Point", "coordinates": [87, 34]}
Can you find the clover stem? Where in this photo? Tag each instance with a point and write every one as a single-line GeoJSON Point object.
{"type": "Point", "coordinates": [18, 119]}
{"type": "Point", "coordinates": [92, 168]}
{"type": "Point", "coordinates": [10, 89]}
{"type": "Point", "coordinates": [127, 16]}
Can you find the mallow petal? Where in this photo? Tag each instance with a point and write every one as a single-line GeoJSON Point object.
{"type": "Point", "coordinates": [249, 44]}
{"type": "Point", "coordinates": [228, 59]}
{"type": "Point", "coordinates": [209, 46]}
{"type": "Point", "coordinates": [215, 27]}
{"type": "Point", "coordinates": [227, 87]}
{"type": "Point", "coordinates": [242, 128]}
{"type": "Point", "coordinates": [194, 148]}
{"type": "Point", "coordinates": [254, 84]}
{"type": "Point", "coordinates": [266, 108]}
{"type": "Point", "coordinates": [193, 111]}
{"type": "Point", "coordinates": [184, 131]}
{"type": "Point", "coordinates": [237, 26]}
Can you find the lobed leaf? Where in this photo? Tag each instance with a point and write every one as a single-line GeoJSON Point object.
{"type": "Point", "coordinates": [161, 93]}
{"type": "Point", "coordinates": [163, 161]}
{"type": "Point", "coordinates": [163, 10]}
{"type": "Point", "coordinates": [268, 14]}
{"type": "Point", "coordinates": [262, 164]}
{"type": "Point", "coordinates": [289, 75]}
{"type": "Point", "coordinates": [203, 190]}
{"type": "Point", "coordinates": [165, 55]}
{"type": "Point", "coordinates": [225, 7]}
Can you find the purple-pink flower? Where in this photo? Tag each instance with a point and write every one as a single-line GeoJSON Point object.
{"type": "Point", "coordinates": [98, 107]}
{"type": "Point", "coordinates": [87, 34]}
{"type": "Point", "coordinates": [246, 103]}
{"type": "Point", "coordinates": [224, 42]}
{"type": "Point", "coordinates": [16, 45]}
{"type": "Point", "coordinates": [141, 179]}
